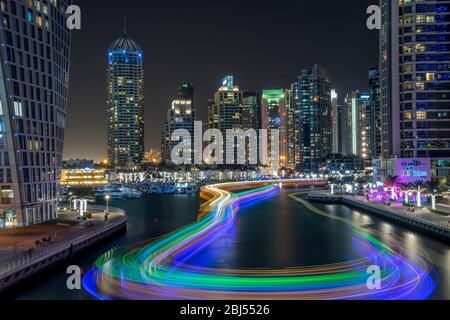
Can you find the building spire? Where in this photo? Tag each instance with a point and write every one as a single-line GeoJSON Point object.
{"type": "Point", "coordinates": [125, 25]}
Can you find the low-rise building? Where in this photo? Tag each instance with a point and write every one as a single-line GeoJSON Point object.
{"type": "Point", "coordinates": [83, 177]}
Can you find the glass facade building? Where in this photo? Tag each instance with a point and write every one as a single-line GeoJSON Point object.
{"type": "Point", "coordinates": [225, 110]}
{"type": "Point", "coordinates": [358, 127]}
{"type": "Point", "coordinates": [415, 80]}
{"type": "Point", "coordinates": [375, 124]}
{"type": "Point", "coordinates": [180, 116]}
{"type": "Point", "coordinates": [34, 73]}
{"type": "Point", "coordinates": [274, 117]}
{"type": "Point", "coordinates": [125, 103]}
{"type": "Point", "coordinates": [312, 99]}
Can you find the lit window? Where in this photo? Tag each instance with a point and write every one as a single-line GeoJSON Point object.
{"type": "Point", "coordinates": [421, 115]}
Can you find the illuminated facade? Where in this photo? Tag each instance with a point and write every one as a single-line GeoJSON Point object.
{"type": "Point", "coordinates": [415, 80]}
{"type": "Point", "coordinates": [375, 123]}
{"type": "Point", "coordinates": [125, 103]}
{"type": "Point", "coordinates": [225, 111]}
{"type": "Point", "coordinates": [153, 156]}
{"type": "Point", "coordinates": [83, 177]}
{"type": "Point", "coordinates": [274, 117]}
{"type": "Point", "coordinates": [34, 73]}
{"type": "Point", "coordinates": [358, 131]}
{"type": "Point", "coordinates": [251, 111]}
{"type": "Point", "coordinates": [312, 99]}
{"type": "Point", "coordinates": [180, 116]}
{"type": "Point", "coordinates": [335, 121]}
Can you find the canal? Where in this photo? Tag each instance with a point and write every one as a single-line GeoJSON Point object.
{"type": "Point", "coordinates": [276, 233]}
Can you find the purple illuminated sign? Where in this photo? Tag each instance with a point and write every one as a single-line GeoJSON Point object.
{"type": "Point", "coordinates": [412, 170]}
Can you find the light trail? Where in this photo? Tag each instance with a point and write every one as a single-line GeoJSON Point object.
{"type": "Point", "coordinates": [160, 270]}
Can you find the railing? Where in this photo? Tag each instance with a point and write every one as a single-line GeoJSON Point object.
{"type": "Point", "coordinates": [439, 222]}
{"type": "Point", "coordinates": [434, 221]}
{"type": "Point", "coordinates": [33, 256]}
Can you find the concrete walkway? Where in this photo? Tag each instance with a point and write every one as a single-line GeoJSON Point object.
{"type": "Point", "coordinates": [17, 241]}
{"type": "Point", "coordinates": [423, 212]}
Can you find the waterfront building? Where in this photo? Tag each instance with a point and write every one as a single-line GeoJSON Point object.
{"type": "Point", "coordinates": [408, 170]}
{"type": "Point", "coordinates": [225, 110]}
{"type": "Point", "coordinates": [341, 164]}
{"type": "Point", "coordinates": [415, 81]}
{"type": "Point", "coordinates": [291, 129]}
{"type": "Point", "coordinates": [34, 73]}
{"type": "Point", "coordinates": [87, 177]}
{"type": "Point", "coordinates": [294, 133]}
{"type": "Point", "coordinates": [344, 141]}
{"type": "Point", "coordinates": [375, 123]}
{"type": "Point", "coordinates": [335, 121]}
{"type": "Point", "coordinates": [180, 116]}
{"type": "Point", "coordinates": [312, 99]}
{"type": "Point", "coordinates": [274, 117]}
{"type": "Point", "coordinates": [125, 103]}
{"type": "Point", "coordinates": [251, 111]}
{"type": "Point", "coordinates": [357, 117]}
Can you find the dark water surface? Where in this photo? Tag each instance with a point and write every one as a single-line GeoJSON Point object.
{"type": "Point", "coordinates": [276, 233]}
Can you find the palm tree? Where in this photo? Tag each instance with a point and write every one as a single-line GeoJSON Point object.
{"type": "Point", "coordinates": [392, 182]}
{"type": "Point", "coordinates": [420, 186]}
{"type": "Point", "coordinates": [434, 188]}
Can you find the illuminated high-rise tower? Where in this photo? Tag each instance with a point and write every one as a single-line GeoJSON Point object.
{"type": "Point", "coordinates": [34, 73]}
{"type": "Point", "coordinates": [415, 82]}
{"type": "Point", "coordinates": [180, 116]}
{"type": "Point", "coordinates": [312, 99]}
{"type": "Point", "coordinates": [274, 117]}
{"type": "Point", "coordinates": [125, 103]}
{"type": "Point", "coordinates": [357, 122]}
{"type": "Point", "coordinates": [225, 111]}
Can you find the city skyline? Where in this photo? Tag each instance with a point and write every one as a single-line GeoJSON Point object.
{"type": "Point", "coordinates": [227, 151]}
{"type": "Point", "coordinates": [169, 63]}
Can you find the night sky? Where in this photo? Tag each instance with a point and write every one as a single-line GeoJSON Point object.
{"type": "Point", "coordinates": [263, 43]}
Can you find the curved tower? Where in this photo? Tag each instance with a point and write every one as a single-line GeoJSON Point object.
{"type": "Point", "coordinates": [125, 103]}
{"type": "Point", "coordinates": [34, 73]}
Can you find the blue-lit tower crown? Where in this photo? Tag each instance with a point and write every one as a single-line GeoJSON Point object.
{"type": "Point", "coordinates": [125, 103]}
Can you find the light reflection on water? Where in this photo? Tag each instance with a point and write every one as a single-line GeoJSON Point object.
{"type": "Point", "coordinates": [276, 233]}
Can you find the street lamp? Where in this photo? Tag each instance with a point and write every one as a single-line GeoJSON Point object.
{"type": "Point", "coordinates": [433, 201]}
{"type": "Point", "coordinates": [107, 197]}
{"type": "Point", "coordinates": [419, 198]}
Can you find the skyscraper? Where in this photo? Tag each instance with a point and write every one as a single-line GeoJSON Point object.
{"type": "Point", "coordinates": [34, 73]}
{"type": "Point", "coordinates": [314, 102]}
{"type": "Point", "coordinates": [180, 116]}
{"type": "Point", "coordinates": [375, 113]}
{"type": "Point", "coordinates": [225, 111]}
{"type": "Point", "coordinates": [251, 111]}
{"type": "Point", "coordinates": [274, 117]}
{"type": "Point", "coordinates": [335, 121]}
{"type": "Point", "coordinates": [415, 82]}
{"type": "Point", "coordinates": [125, 103]}
{"type": "Point", "coordinates": [389, 79]}
{"type": "Point", "coordinates": [357, 133]}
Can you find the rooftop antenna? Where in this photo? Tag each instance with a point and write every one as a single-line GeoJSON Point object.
{"type": "Point", "coordinates": [125, 25]}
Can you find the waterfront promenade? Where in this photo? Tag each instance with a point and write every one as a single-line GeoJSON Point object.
{"type": "Point", "coordinates": [26, 251]}
{"type": "Point", "coordinates": [421, 219]}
